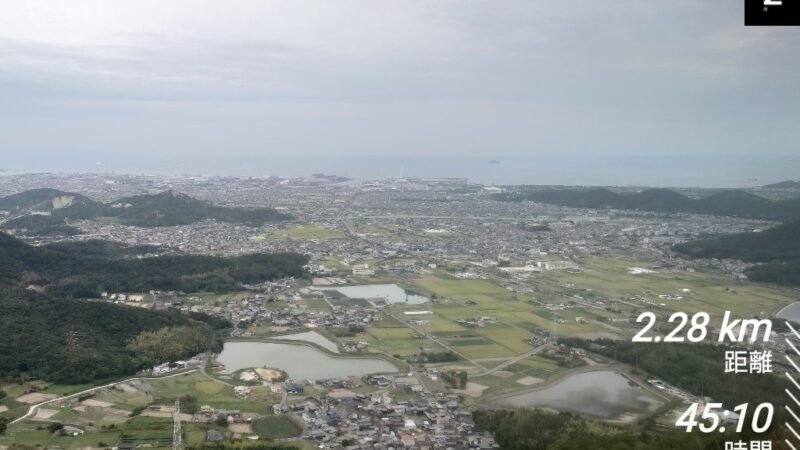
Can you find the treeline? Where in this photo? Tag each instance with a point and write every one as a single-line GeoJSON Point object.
{"type": "Point", "coordinates": [41, 225]}
{"type": "Point", "coordinates": [778, 247]}
{"type": "Point", "coordinates": [693, 367]}
{"type": "Point", "coordinates": [779, 243]}
{"type": "Point", "coordinates": [724, 203]}
{"type": "Point", "coordinates": [77, 341]}
{"type": "Point", "coordinates": [172, 208]}
{"type": "Point", "coordinates": [48, 211]}
{"type": "Point", "coordinates": [152, 347]}
{"type": "Point", "coordinates": [64, 269]}
{"type": "Point", "coordinates": [529, 429]}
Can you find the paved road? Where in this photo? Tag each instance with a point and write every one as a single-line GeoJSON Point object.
{"type": "Point", "coordinates": [33, 408]}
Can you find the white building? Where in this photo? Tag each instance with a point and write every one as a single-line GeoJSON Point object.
{"type": "Point", "coordinates": [363, 270]}
{"type": "Point", "coordinates": [557, 265]}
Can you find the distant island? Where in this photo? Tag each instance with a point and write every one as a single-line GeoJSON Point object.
{"type": "Point", "coordinates": [788, 184]}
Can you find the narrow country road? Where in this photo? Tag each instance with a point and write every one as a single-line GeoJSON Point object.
{"type": "Point", "coordinates": [35, 407]}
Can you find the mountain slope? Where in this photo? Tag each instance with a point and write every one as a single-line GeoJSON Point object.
{"type": "Point", "coordinates": [173, 208]}
{"type": "Point", "coordinates": [778, 248]}
{"type": "Point", "coordinates": [779, 243]}
{"type": "Point", "coordinates": [40, 225]}
{"type": "Point", "coordinates": [52, 201]}
{"type": "Point", "coordinates": [724, 203]}
{"type": "Point", "coordinates": [30, 210]}
{"type": "Point", "coordinates": [37, 326]}
{"type": "Point", "coordinates": [65, 269]}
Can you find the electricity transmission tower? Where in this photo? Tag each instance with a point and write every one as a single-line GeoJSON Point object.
{"type": "Point", "coordinates": [177, 439]}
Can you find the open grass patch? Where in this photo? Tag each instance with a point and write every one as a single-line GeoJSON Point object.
{"type": "Point", "coordinates": [209, 387]}
{"type": "Point", "coordinates": [276, 427]}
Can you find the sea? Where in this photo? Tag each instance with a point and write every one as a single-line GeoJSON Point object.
{"type": "Point", "coordinates": [585, 170]}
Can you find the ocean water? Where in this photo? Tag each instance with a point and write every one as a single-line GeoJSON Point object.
{"type": "Point", "coordinates": [591, 170]}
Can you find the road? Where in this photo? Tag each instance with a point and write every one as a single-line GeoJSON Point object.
{"type": "Point", "coordinates": [428, 336]}
{"type": "Point", "coordinates": [513, 360]}
{"type": "Point", "coordinates": [33, 408]}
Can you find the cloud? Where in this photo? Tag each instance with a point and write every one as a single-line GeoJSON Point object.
{"type": "Point", "coordinates": [411, 77]}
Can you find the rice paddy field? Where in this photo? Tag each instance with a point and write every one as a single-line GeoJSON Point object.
{"type": "Point", "coordinates": [597, 302]}
{"type": "Point", "coordinates": [709, 292]}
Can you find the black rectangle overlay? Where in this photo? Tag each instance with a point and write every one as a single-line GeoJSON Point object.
{"type": "Point", "coordinates": [769, 13]}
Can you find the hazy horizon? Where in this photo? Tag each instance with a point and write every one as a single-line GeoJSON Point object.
{"type": "Point", "coordinates": [111, 81]}
{"type": "Point", "coordinates": [655, 171]}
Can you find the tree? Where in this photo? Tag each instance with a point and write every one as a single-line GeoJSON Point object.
{"type": "Point", "coordinates": [221, 420]}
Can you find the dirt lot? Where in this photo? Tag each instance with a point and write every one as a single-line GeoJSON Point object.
{"type": "Point", "coordinates": [241, 428]}
{"type": "Point", "coordinates": [474, 389]}
{"type": "Point", "coordinates": [268, 374]}
{"type": "Point", "coordinates": [98, 403]}
{"type": "Point", "coordinates": [529, 381]}
{"type": "Point", "coordinates": [35, 397]}
{"type": "Point", "coordinates": [44, 414]}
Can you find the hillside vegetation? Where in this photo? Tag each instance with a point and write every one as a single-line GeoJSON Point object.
{"type": "Point", "coordinates": [40, 225]}
{"type": "Point", "coordinates": [172, 208]}
{"type": "Point", "coordinates": [77, 341]}
{"type": "Point", "coordinates": [532, 429]}
{"type": "Point", "coordinates": [48, 212]}
{"type": "Point", "coordinates": [65, 269]}
{"type": "Point", "coordinates": [693, 367]}
{"type": "Point", "coordinates": [724, 203]}
{"type": "Point", "coordinates": [778, 248]}
{"type": "Point", "coordinates": [53, 335]}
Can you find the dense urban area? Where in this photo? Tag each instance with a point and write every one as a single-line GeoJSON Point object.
{"type": "Point", "coordinates": [323, 312]}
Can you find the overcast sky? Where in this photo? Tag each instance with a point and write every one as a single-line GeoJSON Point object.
{"type": "Point", "coordinates": [412, 78]}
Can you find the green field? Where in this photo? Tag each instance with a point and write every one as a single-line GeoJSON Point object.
{"type": "Point", "coordinates": [276, 427]}
{"type": "Point", "coordinates": [167, 390]}
{"type": "Point", "coordinates": [711, 292]}
{"type": "Point", "coordinates": [154, 431]}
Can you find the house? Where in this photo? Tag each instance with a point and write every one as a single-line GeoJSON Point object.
{"type": "Point", "coordinates": [242, 391]}
{"type": "Point", "coordinates": [293, 388]}
{"type": "Point", "coordinates": [69, 430]}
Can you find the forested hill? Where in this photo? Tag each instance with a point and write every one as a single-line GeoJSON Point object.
{"type": "Point", "coordinates": [723, 203]}
{"type": "Point", "coordinates": [41, 225]}
{"type": "Point", "coordinates": [108, 340]}
{"type": "Point", "coordinates": [173, 208]}
{"type": "Point", "coordinates": [59, 204]}
{"type": "Point", "coordinates": [48, 211]}
{"type": "Point", "coordinates": [778, 247]}
{"type": "Point", "coordinates": [37, 328]}
{"type": "Point", "coordinates": [86, 269]}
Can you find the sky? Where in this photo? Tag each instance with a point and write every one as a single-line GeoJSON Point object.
{"type": "Point", "coordinates": [118, 82]}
